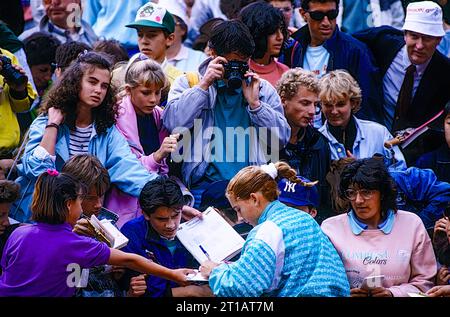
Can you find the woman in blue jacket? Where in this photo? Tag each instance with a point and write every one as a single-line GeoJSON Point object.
{"type": "Point", "coordinates": [79, 114]}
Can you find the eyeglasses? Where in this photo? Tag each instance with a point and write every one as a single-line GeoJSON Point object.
{"type": "Point", "coordinates": [319, 15]}
{"type": "Point", "coordinates": [365, 193]}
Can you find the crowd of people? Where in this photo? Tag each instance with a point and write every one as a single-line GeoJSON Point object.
{"type": "Point", "coordinates": [319, 129]}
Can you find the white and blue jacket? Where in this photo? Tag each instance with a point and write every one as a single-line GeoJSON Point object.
{"type": "Point", "coordinates": [285, 255]}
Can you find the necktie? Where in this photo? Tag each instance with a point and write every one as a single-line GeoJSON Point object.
{"type": "Point", "coordinates": [405, 94]}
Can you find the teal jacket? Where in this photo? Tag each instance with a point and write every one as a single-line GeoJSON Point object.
{"type": "Point", "coordinates": [111, 148]}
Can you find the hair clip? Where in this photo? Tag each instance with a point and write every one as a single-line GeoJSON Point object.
{"type": "Point", "coordinates": [52, 172]}
{"type": "Point", "coordinates": [82, 54]}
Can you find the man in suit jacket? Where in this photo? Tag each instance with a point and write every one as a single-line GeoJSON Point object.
{"type": "Point", "coordinates": [395, 53]}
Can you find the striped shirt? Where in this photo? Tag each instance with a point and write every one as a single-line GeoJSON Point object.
{"type": "Point", "coordinates": [79, 140]}
{"type": "Point", "coordinates": [285, 255]}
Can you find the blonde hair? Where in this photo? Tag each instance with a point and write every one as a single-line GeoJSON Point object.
{"type": "Point", "coordinates": [253, 179]}
{"type": "Point", "coordinates": [145, 72]}
{"type": "Point", "coordinates": [290, 82]}
{"type": "Point", "coordinates": [338, 86]}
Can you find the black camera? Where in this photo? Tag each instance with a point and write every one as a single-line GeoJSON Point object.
{"type": "Point", "coordinates": [11, 75]}
{"type": "Point", "coordinates": [234, 72]}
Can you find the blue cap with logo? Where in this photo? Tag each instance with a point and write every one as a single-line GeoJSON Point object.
{"type": "Point", "coordinates": [297, 194]}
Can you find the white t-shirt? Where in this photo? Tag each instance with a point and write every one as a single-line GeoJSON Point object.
{"type": "Point", "coordinates": [316, 61]}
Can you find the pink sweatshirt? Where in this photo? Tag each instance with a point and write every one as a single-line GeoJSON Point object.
{"type": "Point", "coordinates": [272, 72]}
{"type": "Point", "coordinates": [124, 205]}
{"type": "Point", "coordinates": [405, 256]}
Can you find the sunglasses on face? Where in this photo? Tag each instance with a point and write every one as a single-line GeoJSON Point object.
{"type": "Point", "coordinates": [319, 15]}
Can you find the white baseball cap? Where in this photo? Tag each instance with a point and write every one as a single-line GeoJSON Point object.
{"type": "Point", "coordinates": [424, 17]}
{"type": "Point", "coordinates": [175, 7]}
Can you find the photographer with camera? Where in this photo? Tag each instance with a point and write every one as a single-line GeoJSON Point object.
{"type": "Point", "coordinates": [16, 95]}
{"type": "Point", "coordinates": [228, 99]}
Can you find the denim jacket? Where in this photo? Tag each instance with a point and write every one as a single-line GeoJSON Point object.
{"type": "Point", "coordinates": [186, 104]}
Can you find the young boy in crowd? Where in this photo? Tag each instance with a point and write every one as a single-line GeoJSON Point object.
{"type": "Point", "coordinates": [88, 170]}
{"type": "Point", "coordinates": [153, 235]}
{"type": "Point", "coordinates": [155, 28]}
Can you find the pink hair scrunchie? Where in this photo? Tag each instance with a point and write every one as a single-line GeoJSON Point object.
{"type": "Point", "coordinates": [52, 172]}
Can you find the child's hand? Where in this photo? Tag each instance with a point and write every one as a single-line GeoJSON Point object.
{"type": "Point", "coordinates": [82, 228]}
{"type": "Point", "coordinates": [180, 276]}
{"type": "Point", "coordinates": [138, 286]}
{"type": "Point", "coordinates": [55, 116]}
{"type": "Point", "coordinates": [441, 225]}
{"type": "Point", "coordinates": [168, 146]}
{"type": "Point", "coordinates": [207, 267]}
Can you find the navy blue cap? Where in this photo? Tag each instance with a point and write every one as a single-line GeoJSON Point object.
{"type": "Point", "coordinates": [298, 194]}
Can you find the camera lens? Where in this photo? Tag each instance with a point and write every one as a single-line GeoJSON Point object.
{"type": "Point", "coordinates": [12, 75]}
{"type": "Point", "coordinates": [234, 72]}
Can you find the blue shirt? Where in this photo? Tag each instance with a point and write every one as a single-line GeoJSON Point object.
{"type": "Point", "coordinates": [229, 149]}
{"type": "Point", "coordinates": [393, 80]}
{"type": "Point", "coordinates": [358, 226]}
{"type": "Point", "coordinates": [316, 61]}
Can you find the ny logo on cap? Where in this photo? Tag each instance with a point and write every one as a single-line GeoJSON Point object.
{"type": "Point", "coordinates": [289, 187]}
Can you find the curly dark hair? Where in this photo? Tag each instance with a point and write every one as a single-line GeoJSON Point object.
{"type": "Point", "coordinates": [160, 192]}
{"type": "Point", "coordinates": [64, 94]}
{"type": "Point", "coordinates": [370, 173]}
{"type": "Point", "coordinates": [262, 19]}
{"type": "Point", "coordinates": [40, 48]}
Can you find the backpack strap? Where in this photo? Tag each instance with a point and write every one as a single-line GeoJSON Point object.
{"type": "Point", "coordinates": [193, 79]}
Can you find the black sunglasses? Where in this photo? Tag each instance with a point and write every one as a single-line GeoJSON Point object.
{"type": "Point", "coordinates": [319, 15]}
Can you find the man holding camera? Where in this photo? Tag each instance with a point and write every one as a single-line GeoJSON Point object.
{"type": "Point", "coordinates": [233, 114]}
{"type": "Point", "coordinates": [16, 95]}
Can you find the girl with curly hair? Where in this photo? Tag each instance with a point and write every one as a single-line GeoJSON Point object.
{"type": "Point", "coordinates": [79, 115]}
{"type": "Point", "coordinates": [267, 26]}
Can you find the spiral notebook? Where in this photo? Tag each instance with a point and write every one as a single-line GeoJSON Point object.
{"type": "Point", "coordinates": [210, 238]}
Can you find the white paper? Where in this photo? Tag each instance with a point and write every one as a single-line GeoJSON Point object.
{"type": "Point", "coordinates": [212, 233]}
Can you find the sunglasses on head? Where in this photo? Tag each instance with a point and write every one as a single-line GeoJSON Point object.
{"type": "Point", "coordinates": [319, 15]}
